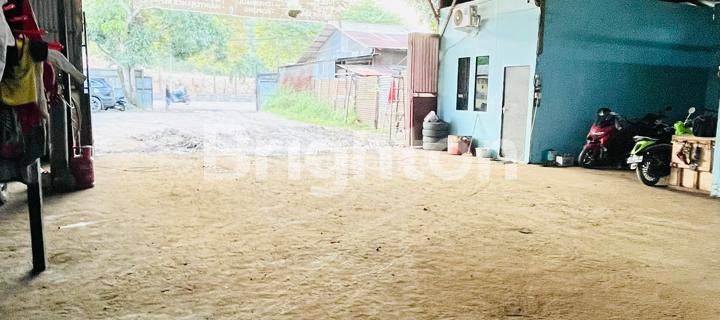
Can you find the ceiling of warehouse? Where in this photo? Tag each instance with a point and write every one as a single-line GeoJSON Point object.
{"type": "Point", "coordinates": [708, 3]}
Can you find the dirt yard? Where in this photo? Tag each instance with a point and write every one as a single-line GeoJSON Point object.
{"type": "Point", "coordinates": [184, 129]}
{"type": "Point", "coordinates": [368, 233]}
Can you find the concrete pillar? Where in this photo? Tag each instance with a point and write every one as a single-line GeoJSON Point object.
{"type": "Point", "coordinates": [716, 164]}
{"type": "Point", "coordinates": [62, 180]}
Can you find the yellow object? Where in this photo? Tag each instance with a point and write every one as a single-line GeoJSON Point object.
{"type": "Point", "coordinates": [20, 89]}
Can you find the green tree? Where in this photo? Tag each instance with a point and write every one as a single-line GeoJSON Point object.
{"type": "Point", "coordinates": [125, 35]}
{"type": "Point", "coordinates": [428, 12]}
{"type": "Point", "coordinates": [133, 37]}
{"type": "Point", "coordinates": [283, 42]}
{"type": "Point", "coordinates": [368, 11]}
{"type": "Point", "coordinates": [197, 41]}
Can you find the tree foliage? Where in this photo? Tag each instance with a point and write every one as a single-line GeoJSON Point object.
{"type": "Point", "coordinates": [280, 43]}
{"type": "Point", "coordinates": [124, 35]}
{"type": "Point", "coordinates": [134, 38]}
{"type": "Point", "coordinates": [368, 11]}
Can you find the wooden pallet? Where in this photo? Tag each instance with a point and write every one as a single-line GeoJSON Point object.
{"type": "Point", "coordinates": [698, 176]}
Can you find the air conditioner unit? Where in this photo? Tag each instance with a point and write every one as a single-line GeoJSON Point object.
{"type": "Point", "coordinates": [466, 17]}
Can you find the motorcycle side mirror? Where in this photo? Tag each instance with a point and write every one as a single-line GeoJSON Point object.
{"type": "Point", "coordinates": [690, 113]}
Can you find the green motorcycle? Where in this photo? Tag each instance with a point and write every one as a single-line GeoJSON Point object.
{"type": "Point", "coordinates": [651, 157]}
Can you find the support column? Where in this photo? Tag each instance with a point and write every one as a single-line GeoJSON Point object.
{"type": "Point", "coordinates": [59, 155]}
{"type": "Point", "coordinates": [61, 135]}
{"type": "Point", "coordinates": [716, 164]}
{"type": "Point", "coordinates": [86, 132]}
{"type": "Point", "coordinates": [35, 206]}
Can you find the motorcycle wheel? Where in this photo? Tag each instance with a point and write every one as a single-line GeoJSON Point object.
{"type": "Point", "coordinates": [4, 194]}
{"type": "Point", "coordinates": [653, 166]}
{"type": "Point", "coordinates": [96, 104]}
{"type": "Point", "coordinates": [647, 171]}
{"type": "Point", "coordinates": [588, 158]}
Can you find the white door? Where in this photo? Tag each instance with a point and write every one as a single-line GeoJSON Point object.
{"type": "Point", "coordinates": [515, 113]}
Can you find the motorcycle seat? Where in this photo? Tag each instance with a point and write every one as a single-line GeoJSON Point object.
{"type": "Point", "coordinates": [644, 138]}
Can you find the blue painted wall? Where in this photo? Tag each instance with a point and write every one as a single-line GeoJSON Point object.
{"type": "Point", "coordinates": [635, 56]}
{"type": "Point", "coordinates": [509, 37]}
{"type": "Point", "coordinates": [337, 46]}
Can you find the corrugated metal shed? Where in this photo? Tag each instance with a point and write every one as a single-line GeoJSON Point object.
{"type": "Point", "coordinates": [47, 18]}
{"type": "Point", "coordinates": [379, 40]}
{"type": "Point", "coordinates": [366, 35]}
{"type": "Point", "coordinates": [423, 62]}
{"type": "Point", "coordinates": [368, 71]}
{"type": "Point", "coordinates": [366, 100]}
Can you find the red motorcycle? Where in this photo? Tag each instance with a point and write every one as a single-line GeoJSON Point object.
{"type": "Point", "coordinates": [611, 138]}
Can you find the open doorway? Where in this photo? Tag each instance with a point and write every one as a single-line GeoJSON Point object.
{"type": "Point", "coordinates": [266, 73]}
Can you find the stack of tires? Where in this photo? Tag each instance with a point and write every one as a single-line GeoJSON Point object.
{"type": "Point", "coordinates": [435, 136]}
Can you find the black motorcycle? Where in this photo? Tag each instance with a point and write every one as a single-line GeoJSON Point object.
{"type": "Point", "coordinates": [610, 139]}
{"type": "Point", "coordinates": [651, 156]}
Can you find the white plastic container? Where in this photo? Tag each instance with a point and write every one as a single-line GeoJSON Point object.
{"type": "Point", "coordinates": [565, 160]}
{"type": "Point", "coordinates": [485, 153]}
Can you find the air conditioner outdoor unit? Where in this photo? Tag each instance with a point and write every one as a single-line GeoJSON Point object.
{"type": "Point", "coordinates": [466, 17]}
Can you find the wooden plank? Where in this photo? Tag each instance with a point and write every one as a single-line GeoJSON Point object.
{"type": "Point", "coordinates": [705, 181]}
{"type": "Point", "coordinates": [690, 190]}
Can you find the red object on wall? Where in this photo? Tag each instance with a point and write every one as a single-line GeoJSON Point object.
{"type": "Point", "coordinates": [393, 95]}
{"type": "Point", "coordinates": [83, 168]}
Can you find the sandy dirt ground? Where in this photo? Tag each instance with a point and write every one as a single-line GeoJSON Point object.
{"type": "Point", "coordinates": [374, 234]}
{"type": "Point", "coordinates": [186, 128]}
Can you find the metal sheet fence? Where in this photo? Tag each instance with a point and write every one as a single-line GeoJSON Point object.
{"type": "Point", "coordinates": [369, 97]}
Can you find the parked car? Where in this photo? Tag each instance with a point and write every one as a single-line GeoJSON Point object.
{"type": "Point", "coordinates": [102, 96]}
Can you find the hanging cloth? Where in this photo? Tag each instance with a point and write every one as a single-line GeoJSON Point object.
{"type": "Point", "coordinates": [50, 83]}
{"type": "Point", "coordinates": [42, 103]}
{"type": "Point", "coordinates": [393, 94]}
{"type": "Point", "coordinates": [59, 61]}
{"type": "Point", "coordinates": [11, 138]}
{"type": "Point", "coordinates": [19, 86]}
{"type": "Point", "coordinates": [6, 39]}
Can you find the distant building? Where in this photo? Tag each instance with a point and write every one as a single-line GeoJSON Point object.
{"type": "Point", "coordinates": [382, 47]}
{"type": "Point", "coordinates": [355, 66]}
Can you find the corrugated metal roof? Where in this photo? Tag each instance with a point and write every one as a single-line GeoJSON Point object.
{"type": "Point", "coordinates": [379, 40]}
{"type": "Point", "coordinates": [371, 36]}
{"type": "Point", "coordinates": [368, 71]}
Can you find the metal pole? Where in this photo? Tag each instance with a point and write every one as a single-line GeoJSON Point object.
{"type": "Point", "coordinates": [35, 206]}
{"type": "Point", "coordinates": [86, 134]}
{"type": "Point", "coordinates": [64, 78]}
{"type": "Point", "coordinates": [60, 131]}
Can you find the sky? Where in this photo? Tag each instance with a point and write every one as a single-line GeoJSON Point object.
{"type": "Point", "coordinates": [411, 17]}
